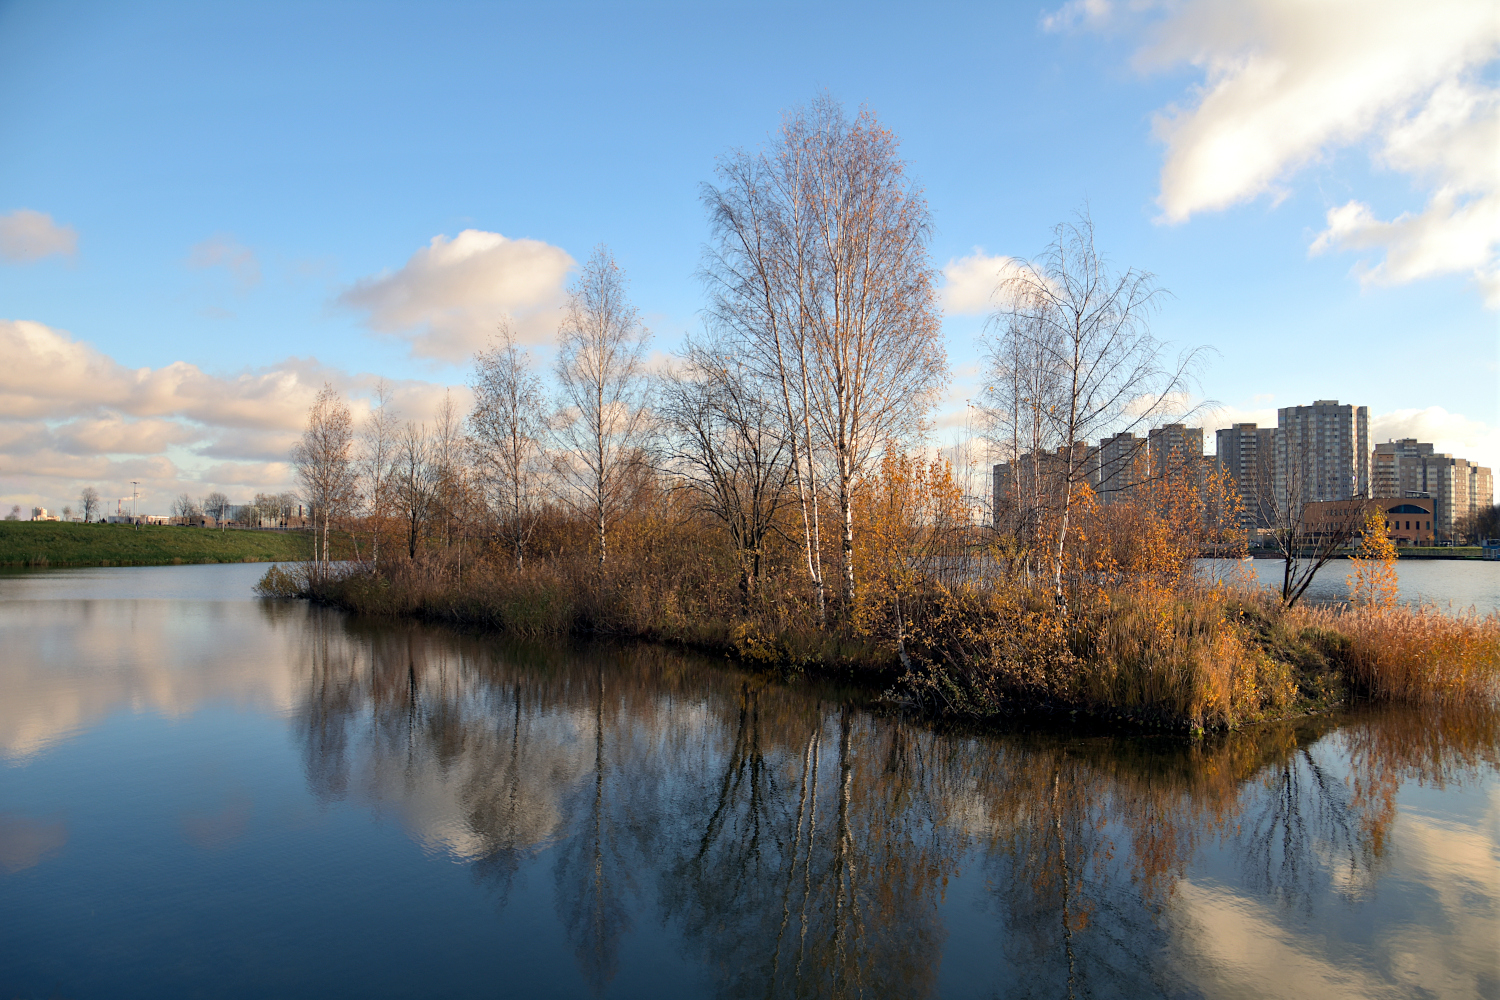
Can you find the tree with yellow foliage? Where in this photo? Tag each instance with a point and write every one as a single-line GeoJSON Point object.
{"type": "Point", "coordinates": [1372, 585]}
{"type": "Point", "coordinates": [910, 517]}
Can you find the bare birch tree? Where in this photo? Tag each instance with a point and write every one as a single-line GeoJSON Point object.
{"type": "Point", "coordinates": [728, 447]}
{"type": "Point", "coordinates": [323, 462]}
{"type": "Point", "coordinates": [1089, 327]}
{"type": "Point", "coordinates": [756, 268]}
{"type": "Point", "coordinates": [88, 503]}
{"type": "Point", "coordinates": [820, 260]}
{"type": "Point", "coordinates": [377, 457]}
{"type": "Point", "coordinates": [1024, 386]}
{"type": "Point", "coordinates": [413, 481]}
{"type": "Point", "coordinates": [449, 448]}
{"type": "Point", "coordinates": [1304, 548]}
{"type": "Point", "coordinates": [600, 373]}
{"type": "Point", "coordinates": [506, 427]}
{"type": "Point", "coordinates": [217, 503]}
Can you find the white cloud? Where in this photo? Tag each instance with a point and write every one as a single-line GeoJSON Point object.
{"type": "Point", "coordinates": [249, 444]}
{"type": "Point", "coordinates": [258, 476]}
{"type": "Point", "coordinates": [30, 235]}
{"type": "Point", "coordinates": [973, 285]}
{"type": "Point", "coordinates": [71, 416]}
{"type": "Point", "coordinates": [1286, 85]}
{"type": "Point", "coordinates": [1450, 433]}
{"type": "Point", "coordinates": [1076, 12]}
{"type": "Point", "coordinates": [1436, 937]}
{"type": "Point", "coordinates": [112, 434]}
{"type": "Point", "coordinates": [48, 374]}
{"type": "Point", "coordinates": [222, 250]}
{"type": "Point", "coordinates": [447, 299]}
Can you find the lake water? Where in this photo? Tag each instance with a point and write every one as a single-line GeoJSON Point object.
{"type": "Point", "coordinates": [206, 794]}
{"type": "Point", "coordinates": [1451, 584]}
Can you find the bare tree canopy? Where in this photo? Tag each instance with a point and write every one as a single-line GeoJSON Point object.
{"type": "Point", "coordinates": [88, 503]}
{"type": "Point", "coordinates": [323, 462]}
{"type": "Point", "coordinates": [413, 481]}
{"type": "Point", "coordinates": [1077, 360]}
{"type": "Point", "coordinates": [506, 428]}
{"type": "Point", "coordinates": [819, 262]}
{"type": "Point", "coordinates": [1305, 546]}
{"type": "Point", "coordinates": [728, 448]}
{"type": "Point", "coordinates": [377, 457]}
{"type": "Point", "coordinates": [601, 378]}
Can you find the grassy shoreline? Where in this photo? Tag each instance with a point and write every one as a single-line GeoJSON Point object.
{"type": "Point", "coordinates": [1187, 663]}
{"type": "Point", "coordinates": [64, 544]}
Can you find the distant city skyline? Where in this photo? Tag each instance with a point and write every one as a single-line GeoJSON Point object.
{"type": "Point", "coordinates": [205, 213]}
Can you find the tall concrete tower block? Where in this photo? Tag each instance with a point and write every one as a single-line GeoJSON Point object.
{"type": "Point", "coordinates": [1322, 452]}
{"type": "Point", "coordinates": [1248, 454]}
{"type": "Point", "coordinates": [1174, 448]}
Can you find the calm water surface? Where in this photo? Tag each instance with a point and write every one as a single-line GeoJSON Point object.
{"type": "Point", "coordinates": [1456, 584]}
{"type": "Point", "coordinates": [205, 794]}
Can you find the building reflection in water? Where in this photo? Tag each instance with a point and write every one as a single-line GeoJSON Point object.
{"type": "Point", "coordinates": [801, 847]}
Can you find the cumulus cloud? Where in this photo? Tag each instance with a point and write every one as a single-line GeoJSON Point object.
{"type": "Point", "coordinates": [72, 416]}
{"type": "Point", "coordinates": [222, 250]}
{"type": "Point", "coordinates": [30, 235]}
{"type": "Point", "coordinates": [446, 299]}
{"type": "Point", "coordinates": [1287, 85]}
{"type": "Point", "coordinates": [261, 476]}
{"type": "Point", "coordinates": [49, 374]}
{"type": "Point", "coordinates": [975, 284]}
{"type": "Point", "coordinates": [1451, 433]}
{"type": "Point", "coordinates": [251, 445]}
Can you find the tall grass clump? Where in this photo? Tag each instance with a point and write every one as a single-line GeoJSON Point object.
{"type": "Point", "coordinates": [1161, 658]}
{"type": "Point", "coordinates": [1416, 655]}
{"type": "Point", "coordinates": [1183, 656]}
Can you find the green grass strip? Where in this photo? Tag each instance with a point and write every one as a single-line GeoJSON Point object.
{"type": "Point", "coordinates": [58, 543]}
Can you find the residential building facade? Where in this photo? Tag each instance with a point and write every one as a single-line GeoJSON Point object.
{"type": "Point", "coordinates": [1457, 488]}
{"type": "Point", "coordinates": [1399, 467]}
{"type": "Point", "coordinates": [1322, 452]}
{"type": "Point", "coordinates": [1121, 463]}
{"type": "Point", "coordinates": [1174, 448]}
{"type": "Point", "coordinates": [1248, 454]}
{"type": "Point", "coordinates": [1481, 490]}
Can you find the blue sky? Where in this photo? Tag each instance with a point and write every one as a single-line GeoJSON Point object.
{"type": "Point", "coordinates": [237, 198]}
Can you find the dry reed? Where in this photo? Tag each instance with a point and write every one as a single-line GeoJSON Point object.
{"type": "Point", "coordinates": [1415, 655]}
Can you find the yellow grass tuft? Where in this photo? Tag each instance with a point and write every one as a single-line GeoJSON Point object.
{"type": "Point", "coordinates": [1417, 655]}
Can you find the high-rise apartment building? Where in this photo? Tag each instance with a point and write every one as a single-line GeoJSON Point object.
{"type": "Point", "coordinates": [1448, 485]}
{"type": "Point", "coordinates": [1174, 448]}
{"type": "Point", "coordinates": [1481, 490]}
{"type": "Point", "coordinates": [1248, 454]}
{"type": "Point", "coordinates": [1034, 482]}
{"type": "Point", "coordinates": [1458, 488]}
{"type": "Point", "coordinates": [1399, 467]}
{"type": "Point", "coordinates": [1121, 464]}
{"type": "Point", "coordinates": [1322, 452]}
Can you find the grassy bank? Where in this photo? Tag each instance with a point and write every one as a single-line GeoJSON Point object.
{"type": "Point", "coordinates": [1175, 659]}
{"type": "Point", "coordinates": [58, 543]}
{"type": "Point", "coordinates": [577, 599]}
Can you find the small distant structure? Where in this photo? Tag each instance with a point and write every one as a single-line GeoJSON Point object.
{"type": "Point", "coordinates": [1490, 548]}
{"type": "Point", "coordinates": [42, 514]}
{"type": "Point", "coordinates": [1408, 520]}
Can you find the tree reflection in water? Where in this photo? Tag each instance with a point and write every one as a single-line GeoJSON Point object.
{"type": "Point", "coordinates": [802, 847]}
